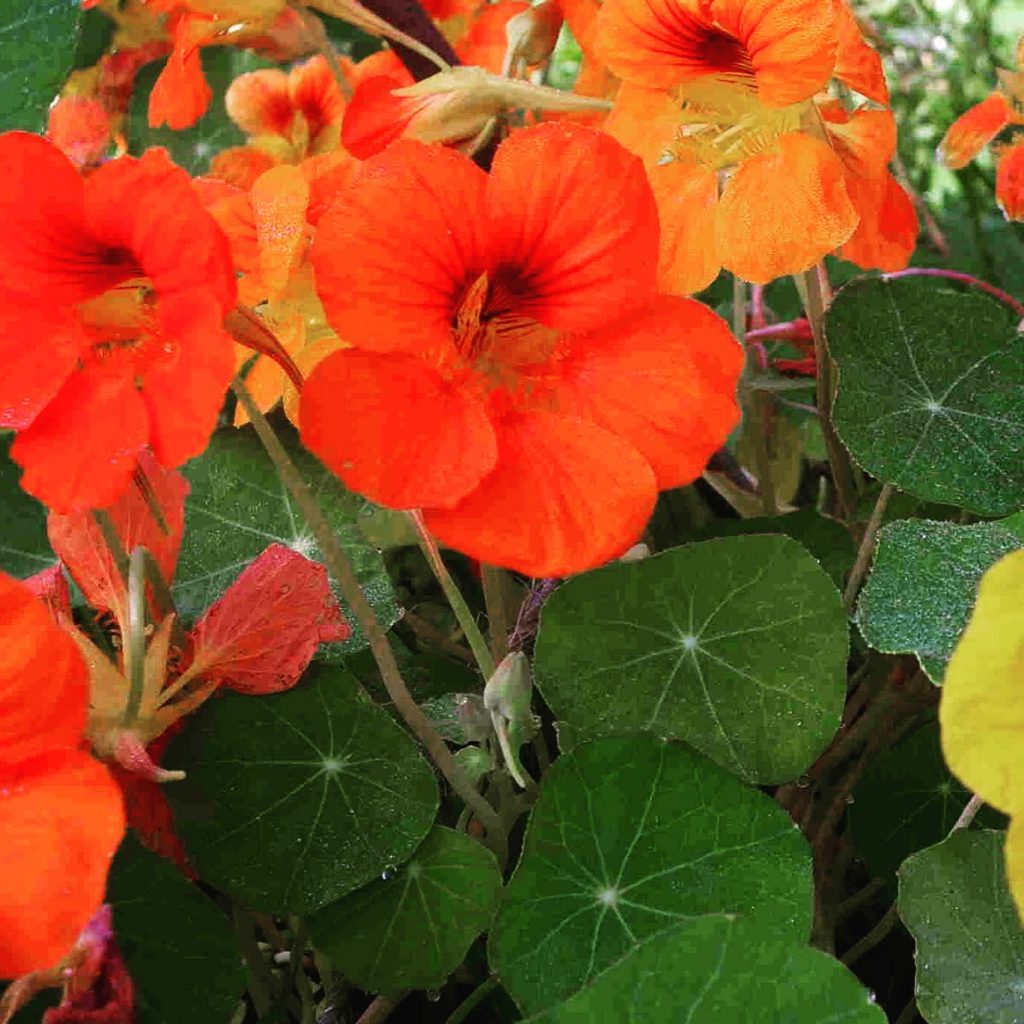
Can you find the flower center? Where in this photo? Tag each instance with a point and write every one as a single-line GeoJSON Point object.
{"type": "Point", "coordinates": [123, 322]}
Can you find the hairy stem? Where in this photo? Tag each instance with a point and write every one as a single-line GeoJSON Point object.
{"type": "Point", "coordinates": [497, 612]}
{"type": "Point", "coordinates": [867, 548]}
{"type": "Point", "coordinates": [756, 404]}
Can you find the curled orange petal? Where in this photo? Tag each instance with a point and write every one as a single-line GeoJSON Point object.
{"type": "Point", "coordinates": [972, 131]}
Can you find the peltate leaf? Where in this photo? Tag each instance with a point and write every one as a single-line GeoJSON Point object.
{"type": "Point", "coordinates": [737, 646]}
{"type": "Point", "coordinates": [24, 546]}
{"type": "Point", "coordinates": [930, 379]}
{"type": "Point", "coordinates": [238, 506]}
{"type": "Point", "coordinates": [703, 970]}
{"type": "Point", "coordinates": [628, 836]}
{"type": "Point", "coordinates": [294, 800]}
{"type": "Point", "coordinates": [411, 927]}
{"type": "Point", "coordinates": [922, 586]}
{"type": "Point", "coordinates": [180, 949]}
{"type": "Point", "coordinates": [970, 944]}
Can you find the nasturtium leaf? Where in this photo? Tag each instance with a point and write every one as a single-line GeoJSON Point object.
{"type": "Point", "coordinates": [737, 646]}
{"type": "Point", "coordinates": [238, 506]}
{"type": "Point", "coordinates": [295, 799]}
{"type": "Point", "coordinates": [982, 708]}
{"type": "Point", "coordinates": [24, 546]}
{"type": "Point", "coordinates": [38, 51]}
{"type": "Point", "coordinates": [923, 584]}
{"type": "Point", "coordinates": [907, 800]}
{"type": "Point", "coordinates": [630, 834]}
{"type": "Point", "coordinates": [1015, 524]}
{"type": "Point", "coordinates": [714, 969]}
{"type": "Point", "coordinates": [827, 539]}
{"type": "Point", "coordinates": [970, 945]}
{"type": "Point", "coordinates": [193, 147]}
{"type": "Point", "coordinates": [411, 927]}
{"type": "Point", "coordinates": [930, 383]}
{"type": "Point", "coordinates": [179, 947]}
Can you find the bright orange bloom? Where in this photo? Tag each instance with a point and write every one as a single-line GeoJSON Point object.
{"type": "Point", "coordinates": [1010, 181]}
{"type": "Point", "coordinates": [60, 811]}
{"type": "Point", "coordinates": [111, 309]}
{"type": "Point", "coordinates": [973, 130]}
{"type": "Point", "coordinates": [516, 374]}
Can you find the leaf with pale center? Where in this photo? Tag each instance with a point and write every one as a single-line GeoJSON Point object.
{"type": "Point", "coordinates": [737, 646]}
{"type": "Point", "coordinates": [930, 384]}
{"type": "Point", "coordinates": [296, 799]}
{"type": "Point", "coordinates": [630, 835]}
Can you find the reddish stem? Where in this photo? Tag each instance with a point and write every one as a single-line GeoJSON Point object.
{"type": "Point", "coordinates": [956, 275]}
{"type": "Point", "coordinates": [791, 330]}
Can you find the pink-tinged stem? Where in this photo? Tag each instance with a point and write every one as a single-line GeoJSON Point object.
{"type": "Point", "coordinates": [791, 330]}
{"type": "Point", "coordinates": [956, 275]}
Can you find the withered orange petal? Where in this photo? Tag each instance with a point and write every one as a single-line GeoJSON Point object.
{"type": "Point", "coordinates": [791, 44]}
{"type": "Point", "coordinates": [279, 201]}
{"type": "Point", "coordinates": [783, 210]}
{"type": "Point", "coordinates": [45, 246]}
{"type": "Point", "coordinates": [687, 197]}
{"type": "Point", "coordinates": [644, 121]}
{"type": "Point", "coordinates": [259, 102]}
{"type": "Point", "coordinates": [62, 819]}
{"type": "Point", "coordinates": [393, 429]}
{"type": "Point", "coordinates": [395, 251]}
{"type": "Point", "coordinates": [1010, 182]}
{"type": "Point", "coordinates": [887, 233]}
{"type": "Point", "coordinates": [857, 64]}
{"type": "Point", "coordinates": [572, 220]}
{"type": "Point", "coordinates": [44, 686]}
{"type": "Point", "coordinates": [565, 495]}
{"type": "Point", "coordinates": [974, 129]}
{"type": "Point", "coordinates": [108, 422]}
{"type": "Point", "coordinates": [664, 379]}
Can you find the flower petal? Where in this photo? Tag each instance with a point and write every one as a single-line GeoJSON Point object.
{"type": "Point", "coordinates": [259, 102]}
{"type": "Point", "coordinates": [565, 496]}
{"type": "Point", "coordinates": [279, 201]}
{"type": "Point", "coordinates": [783, 210]}
{"type": "Point", "coordinates": [61, 822]}
{"type": "Point", "coordinates": [644, 120]}
{"type": "Point", "coordinates": [1010, 182]}
{"type": "Point", "coordinates": [395, 251]}
{"type": "Point", "coordinates": [887, 233]}
{"type": "Point", "coordinates": [857, 64]}
{"type": "Point", "coordinates": [973, 130]}
{"type": "Point", "coordinates": [263, 631]}
{"type": "Point", "coordinates": [573, 225]}
{"type": "Point", "coordinates": [394, 430]}
{"type": "Point", "coordinates": [664, 380]}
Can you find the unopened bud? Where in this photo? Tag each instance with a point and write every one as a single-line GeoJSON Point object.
{"type": "Point", "coordinates": [507, 698]}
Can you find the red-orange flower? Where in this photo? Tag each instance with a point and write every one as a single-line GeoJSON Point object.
{"type": "Point", "coordinates": [974, 129]}
{"type": "Point", "coordinates": [516, 374]}
{"type": "Point", "coordinates": [60, 811]}
{"type": "Point", "coordinates": [1010, 181]}
{"type": "Point", "coordinates": [110, 319]}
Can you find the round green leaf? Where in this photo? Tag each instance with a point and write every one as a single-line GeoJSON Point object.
{"type": "Point", "coordinates": [412, 927]}
{"type": "Point", "coordinates": [38, 40]}
{"type": "Point", "coordinates": [930, 385]}
{"type": "Point", "coordinates": [923, 585]}
{"type": "Point", "coordinates": [970, 945]}
{"type": "Point", "coordinates": [703, 971]}
{"type": "Point", "coordinates": [179, 948]}
{"type": "Point", "coordinates": [908, 799]}
{"type": "Point", "coordinates": [24, 546]}
{"type": "Point", "coordinates": [295, 799]}
{"type": "Point", "coordinates": [238, 506]}
{"type": "Point", "coordinates": [629, 835]}
{"type": "Point", "coordinates": [737, 646]}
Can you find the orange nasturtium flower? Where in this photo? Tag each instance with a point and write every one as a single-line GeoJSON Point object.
{"type": "Point", "coordinates": [719, 97]}
{"type": "Point", "coordinates": [515, 373]}
{"type": "Point", "coordinates": [61, 813]}
{"type": "Point", "coordinates": [111, 311]}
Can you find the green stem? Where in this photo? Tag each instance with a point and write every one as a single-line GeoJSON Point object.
{"type": "Point", "coordinates": [812, 289]}
{"type": "Point", "coordinates": [135, 648]}
{"type": "Point", "coordinates": [472, 1001]}
{"type": "Point", "coordinates": [877, 934]}
{"type": "Point", "coordinates": [867, 548]}
{"type": "Point", "coordinates": [466, 619]}
{"type": "Point", "coordinates": [756, 403]}
{"type": "Point", "coordinates": [260, 981]}
{"type": "Point", "coordinates": [497, 612]}
{"type": "Point", "coordinates": [341, 569]}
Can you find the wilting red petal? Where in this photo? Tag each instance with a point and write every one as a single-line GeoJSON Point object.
{"type": "Point", "coordinates": [109, 999]}
{"type": "Point", "coordinates": [687, 198]}
{"type": "Point", "coordinates": [51, 587]}
{"type": "Point", "coordinates": [857, 64]}
{"type": "Point", "coordinates": [974, 129]}
{"type": "Point", "coordinates": [1010, 182]}
{"type": "Point", "coordinates": [784, 209]}
{"type": "Point", "coordinates": [887, 233]}
{"type": "Point", "coordinates": [664, 379]}
{"type": "Point", "coordinates": [565, 496]}
{"type": "Point", "coordinates": [43, 680]}
{"type": "Point", "coordinates": [395, 251]}
{"type": "Point", "coordinates": [262, 633]}
{"type": "Point", "coordinates": [78, 542]}
{"type": "Point", "coordinates": [393, 429]}
{"type": "Point", "coordinates": [573, 227]}
{"type": "Point", "coordinates": [108, 421]}
{"type": "Point", "coordinates": [61, 819]}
